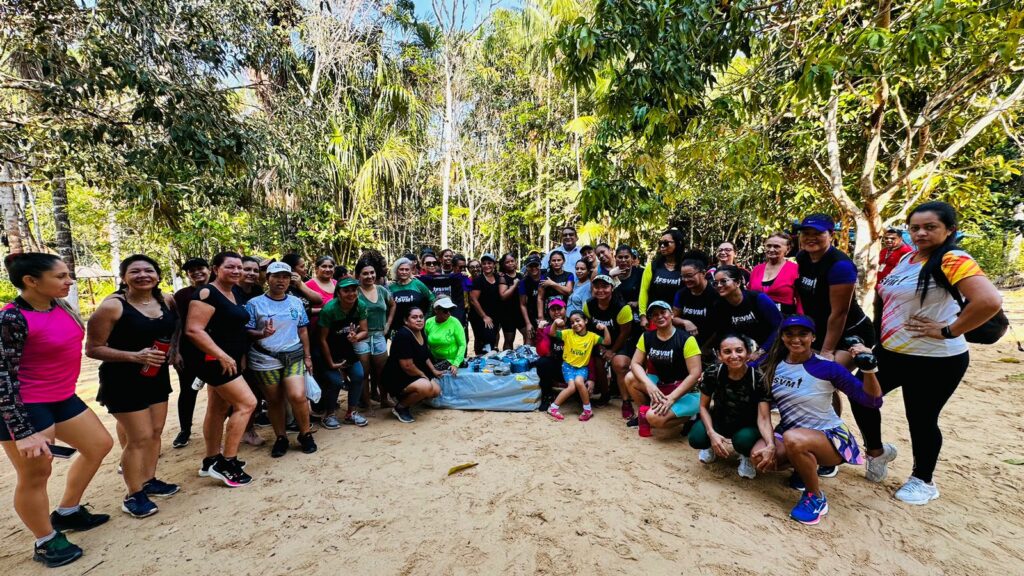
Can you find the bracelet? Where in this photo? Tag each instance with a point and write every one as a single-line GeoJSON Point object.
{"type": "Point", "coordinates": [947, 333]}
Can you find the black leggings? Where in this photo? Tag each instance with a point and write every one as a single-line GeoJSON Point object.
{"type": "Point", "coordinates": [549, 372]}
{"type": "Point", "coordinates": [928, 383]}
{"type": "Point", "coordinates": [483, 335]}
{"type": "Point", "coordinates": [186, 398]}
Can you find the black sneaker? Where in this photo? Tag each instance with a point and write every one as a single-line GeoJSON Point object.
{"type": "Point", "coordinates": [80, 520]}
{"type": "Point", "coordinates": [828, 471]}
{"type": "Point", "coordinates": [57, 551]}
{"type": "Point", "coordinates": [262, 420]}
{"type": "Point", "coordinates": [181, 440]}
{"type": "Point", "coordinates": [307, 443]}
{"type": "Point", "coordinates": [230, 472]}
{"type": "Point", "coordinates": [633, 422]}
{"type": "Point", "coordinates": [403, 414]}
{"type": "Point", "coordinates": [209, 461]}
{"type": "Point", "coordinates": [159, 488]}
{"type": "Point", "coordinates": [280, 447]}
{"type": "Point", "coordinates": [139, 505]}
{"type": "Point", "coordinates": [292, 427]}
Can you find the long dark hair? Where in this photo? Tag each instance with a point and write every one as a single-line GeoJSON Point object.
{"type": "Point", "coordinates": [562, 254]}
{"type": "Point", "coordinates": [677, 251]}
{"type": "Point", "coordinates": [932, 268]}
{"type": "Point", "coordinates": [776, 354]}
{"type": "Point", "coordinates": [32, 264]}
{"type": "Point", "coordinates": [123, 269]}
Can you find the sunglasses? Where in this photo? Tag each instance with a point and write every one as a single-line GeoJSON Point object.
{"type": "Point", "coordinates": [664, 243]}
{"type": "Point", "coordinates": [722, 282]}
{"type": "Point", "coordinates": [431, 263]}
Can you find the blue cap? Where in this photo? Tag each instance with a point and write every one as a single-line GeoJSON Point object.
{"type": "Point", "coordinates": [797, 320]}
{"type": "Point", "coordinates": [819, 222]}
{"type": "Point", "coordinates": [659, 304]}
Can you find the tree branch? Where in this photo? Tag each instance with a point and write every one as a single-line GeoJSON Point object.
{"type": "Point", "coordinates": [835, 166]}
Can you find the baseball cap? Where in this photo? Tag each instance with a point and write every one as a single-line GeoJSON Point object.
{"type": "Point", "coordinates": [533, 260]}
{"type": "Point", "coordinates": [797, 320]}
{"type": "Point", "coordinates": [488, 256]}
{"type": "Point", "coordinates": [659, 304]}
{"type": "Point", "coordinates": [603, 278]}
{"type": "Point", "coordinates": [278, 267]}
{"type": "Point", "coordinates": [819, 222]}
{"type": "Point", "coordinates": [556, 302]}
{"type": "Point", "coordinates": [444, 302]}
{"type": "Point", "coordinates": [347, 283]}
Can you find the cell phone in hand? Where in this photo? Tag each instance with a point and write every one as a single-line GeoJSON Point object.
{"type": "Point", "coordinates": [61, 451]}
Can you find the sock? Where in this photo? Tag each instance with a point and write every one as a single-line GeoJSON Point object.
{"type": "Point", "coordinates": [68, 511]}
{"type": "Point", "coordinates": [586, 407]}
{"type": "Point", "coordinates": [553, 406]}
{"type": "Point", "coordinates": [46, 538]}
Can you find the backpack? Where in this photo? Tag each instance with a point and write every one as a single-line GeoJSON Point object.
{"type": "Point", "coordinates": [988, 333]}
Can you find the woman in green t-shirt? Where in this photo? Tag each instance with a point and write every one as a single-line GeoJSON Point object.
{"type": "Point", "coordinates": [445, 336]}
{"type": "Point", "coordinates": [380, 312]}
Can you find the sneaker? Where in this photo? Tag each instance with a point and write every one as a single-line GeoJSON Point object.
{"type": "Point", "coordinates": [877, 467]}
{"type": "Point", "coordinates": [354, 418]}
{"type": "Point", "coordinates": [746, 468]}
{"type": "Point", "coordinates": [554, 413]}
{"type": "Point", "coordinates": [586, 415]}
{"type": "Point", "coordinates": [707, 456]}
{"type": "Point", "coordinates": [292, 427]}
{"type": "Point", "coordinates": [181, 440]}
{"type": "Point", "coordinates": [307, 443]}
{"type": "Point", "coordinates": [139, 505]}
{"type": "Point", "coordinates": [252, 438]}
{"type": "Point", "coordinates": [56, 551]}
{"type": "Point", "coordinates": [796, 482]}
{"type": "Point", "coordinates": [80, 520]}
{"type": "Point", "coordinates": [644, 427]}
{"type": "Point", "coordinates": [280, 447]}
{"type": "Point", "coordinates": [917, 492]}
{"type": "Point", "coordinates": [159, 488]}
{"type": "Point", "coordinates": [627, 410]}
{"type": "Point", "coordinates": [633, 422]}
{"type": "Point", "coordinates": [208, 462]}
{"type": "Point", "coordinates": [330, 422]}
{"type": "Point", "coordinates": [230, 472]}
{"type": "Point", "coordinates": [403, 414]}
{"type": "Point", "coordinates": [828, 471]}
{"type": "Point", "coordinates": [262, 420]}
{"type": "Point", "coordinates": [810, 508]}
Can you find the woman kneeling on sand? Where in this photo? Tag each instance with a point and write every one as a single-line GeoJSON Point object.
{"type": "Point", "coordinates": [809, 434]}
{"type": "Point", "coordinates": [410, 374]}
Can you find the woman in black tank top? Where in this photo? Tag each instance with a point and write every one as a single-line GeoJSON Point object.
{"type": "Point", "coordinates": [216, 325]}
{"type": "Point", "coordinates": [131, 333]}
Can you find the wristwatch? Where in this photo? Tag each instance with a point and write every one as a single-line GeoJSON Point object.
{"type": "Point", "coordinates": [947, 333]}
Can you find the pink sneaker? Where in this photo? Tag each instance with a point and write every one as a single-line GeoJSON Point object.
{"type": "Point", "coordinates": [627, 410]}
{"type": "Point", "coordinates": [645, 426]}
{"type": "Point", "coordinates": [554, 413]}
{"type": "Point", "coordinates": [586, 415]}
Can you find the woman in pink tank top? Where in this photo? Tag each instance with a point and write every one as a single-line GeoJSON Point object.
{"type": "Point", "coordinates": [40, 359]}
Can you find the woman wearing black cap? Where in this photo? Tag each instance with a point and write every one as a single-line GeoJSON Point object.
{"type": "Point", "coordinates": [485, 306]}
{"type": "Point", "coordinates": [529, 288]}
{"type": "Point", "coordinates": [511, 318]}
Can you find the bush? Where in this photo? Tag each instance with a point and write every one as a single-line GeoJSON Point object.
{"type": "Point", "coordinates": [990, 251]}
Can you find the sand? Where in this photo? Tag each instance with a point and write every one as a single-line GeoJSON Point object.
{"type": "Point", "coordinates": [560, 498]}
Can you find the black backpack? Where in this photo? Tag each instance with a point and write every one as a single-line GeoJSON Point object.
{"type": "Point", "coordinates": [988, 333]}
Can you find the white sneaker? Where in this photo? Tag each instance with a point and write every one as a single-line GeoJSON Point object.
{"type": "Point", "coordinates": [746, 468]}
{"type": "Point", "coordinates": [877, 467]}
{"type": "Point", "coordinates": [917, 492]}
{"type": "Point", "coordinates": [707, 456]}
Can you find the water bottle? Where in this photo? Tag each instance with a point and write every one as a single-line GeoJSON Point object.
{"type": "Point", "coordinates": [162, 344]}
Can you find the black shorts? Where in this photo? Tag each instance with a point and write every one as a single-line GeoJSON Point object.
{"type": "Point", "coordinates": [123, 389]}
{"type": "Point", "coordinates": [42, 415]}
{"type": "Point", "coordinates": [211, 372]}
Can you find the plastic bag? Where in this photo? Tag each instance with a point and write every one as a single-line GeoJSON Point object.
{"type": "Point", "coordinates": [488, 391]}
{"type": "Point", "coordinates": [312, 388]}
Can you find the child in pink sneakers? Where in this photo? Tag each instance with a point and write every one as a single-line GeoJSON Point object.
{"type": "Point", "coordinates": [579, 344]}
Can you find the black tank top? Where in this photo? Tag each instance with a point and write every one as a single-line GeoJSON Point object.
{"type": "Point", "coordinates": [135, 331]}
{"type": "Point", "coordinates": [227, 325]}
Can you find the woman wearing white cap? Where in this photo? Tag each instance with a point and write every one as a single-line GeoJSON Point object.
{"type": "Point", "coordinates": [670, 397]}
{"type": "Point", "coordinates": [445, 336]}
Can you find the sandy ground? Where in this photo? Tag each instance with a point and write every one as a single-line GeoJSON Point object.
{"type": "Point", "coordinates": [561, 498]}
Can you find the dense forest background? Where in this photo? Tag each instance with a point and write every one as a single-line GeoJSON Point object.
{"type": "Point", "coordinates": [183, 127]}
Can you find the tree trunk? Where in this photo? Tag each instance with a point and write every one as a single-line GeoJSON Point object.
{"type": "Point", "coordinates": [868, 232]}
{"type": "Point", "coordinates": [114, 233]}
{"type": "Point", "coordinates": [65, 247]}
{"type": "Point", "coordinates": [448, 134]}
{"type": "Point", "coordinates": [9, 205]}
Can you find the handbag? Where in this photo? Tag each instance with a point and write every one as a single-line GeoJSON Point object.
{"type": "Point", "coordinates": [988, 333]}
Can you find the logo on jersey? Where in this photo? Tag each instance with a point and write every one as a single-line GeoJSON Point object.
{"type": "Point", "coordinates": [809, 283]}
{"type": "Point", "coordinates": [661, 355]}
{"type": "Point", "coordinates": [666, 281]}
{"type": "Point", "coordinates": [787, 382]}
{"type": "Point", "coordinates": [748, 318]}
{"type": "Point", "coordinates": [702, 312]}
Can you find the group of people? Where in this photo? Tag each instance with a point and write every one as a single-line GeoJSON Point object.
{"type": "Point", "coordinates": [687, 340]}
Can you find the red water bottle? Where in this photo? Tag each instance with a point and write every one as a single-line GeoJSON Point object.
{"type": "Point", "coordinates": [163, 345]}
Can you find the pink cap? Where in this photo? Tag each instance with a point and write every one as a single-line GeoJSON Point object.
{"type": "Point", "coordinates": [556, 302]}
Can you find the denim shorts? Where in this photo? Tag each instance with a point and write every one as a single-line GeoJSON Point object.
{"type": "Point", "coordinates": [375, 344]}
{"type": "Point", "coordinates": [570, 372]}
